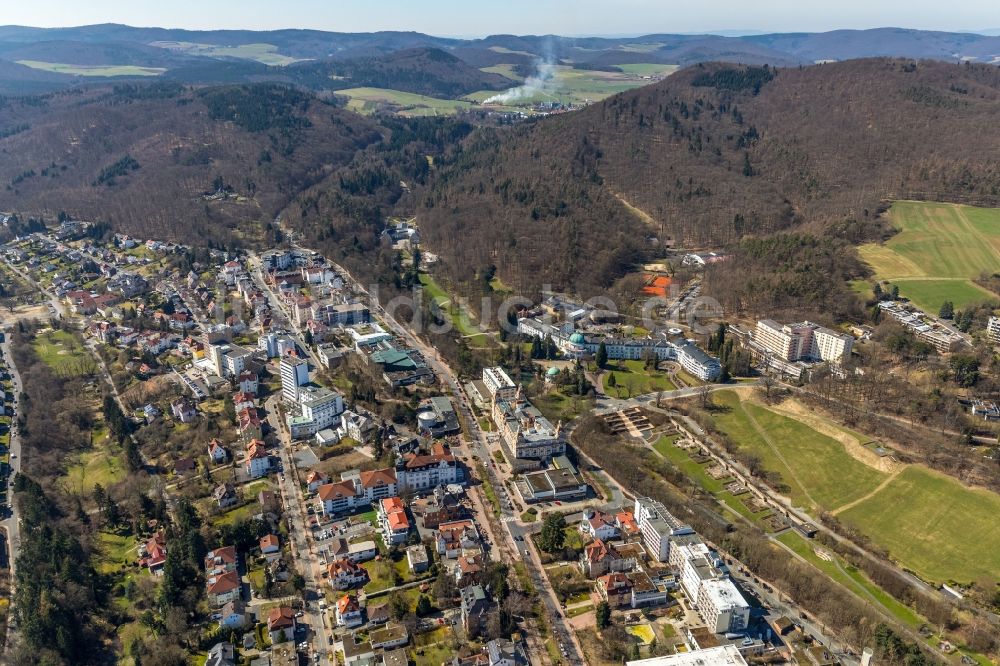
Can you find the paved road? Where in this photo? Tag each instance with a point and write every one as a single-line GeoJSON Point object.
{"type": "Point", "coordinates": [12, 524]}
{"type": "Point", "coordinates": [308, 561]}
{"type": "Point", "coordinates": [446, 375]}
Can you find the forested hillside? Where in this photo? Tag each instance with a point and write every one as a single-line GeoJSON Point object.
{"type": "Point", "coordinates": [709, 156]}
{"type": "Point", "coordinates": [424, 71]}
{"type": "Point", "coordinates": [163, 161]}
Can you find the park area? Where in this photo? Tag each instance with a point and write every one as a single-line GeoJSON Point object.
{"type": "Point", "coordinates": [939, 250]}
{"type": "Point", "coordinates": [632, 378]}
{"type": "Point", "coordinates": [64, 353]}
{"type": "Point", "coordinates": [930, 523]}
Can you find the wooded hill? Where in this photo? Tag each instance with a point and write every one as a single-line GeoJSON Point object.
{"type": "Point", "coordinates": [424, 71]}
{"type": "Point", "coordinates": [711, 155]}
{"type": "Point", "coordinates": [162, 161]}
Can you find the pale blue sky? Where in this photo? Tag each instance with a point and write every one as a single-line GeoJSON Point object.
{"type": "Point", "coordinates": [476, 17]}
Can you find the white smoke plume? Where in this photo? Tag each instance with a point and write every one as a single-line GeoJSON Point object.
{"type": "Point", "coordinates": [534, 84]}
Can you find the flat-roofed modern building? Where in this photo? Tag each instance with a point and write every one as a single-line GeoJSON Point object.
{"type": "Point", "coordinates": [657, 525]}
{"type": "Point", "coordinates": [498, 383]}
{"type": "Point", "coordinates": [723, 655]}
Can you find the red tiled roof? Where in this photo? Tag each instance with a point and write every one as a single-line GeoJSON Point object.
{"type": "Point", "coordinates": [335, 491]}
{"type": "Point", "coordinates": [378, 477]}
{"type": "Point", "coordinates": [280, 618]}
{"type": "Point", "coordinates": [223, 583]}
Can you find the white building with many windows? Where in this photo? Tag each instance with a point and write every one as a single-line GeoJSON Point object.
{"type": "Point", "coordinates": [499, 383]}
{"type": "Point", "coordinates": [802, 341]}
{"type": "Point", "coordinates": [525, 430]}
{"type": "Point", "coordinates": [294, 373]}
{"type": "Point", "coordinates": [657, 525]}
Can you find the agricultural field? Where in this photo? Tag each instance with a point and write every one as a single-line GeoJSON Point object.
{"type": "Point", "coordinates": [929, 523]}
{"type": "Point", "coordinates": [266, 54]}
{"type": "Point", "coordinates": [939, 250]}
{"type": "Point", "coordinates": [632, 378]}
{"type": "Point", "coordinates": [64, 353]}
{"type": "Point", "coordinates": [92, 70]}
{"type": "Point", "coordinates": [582, 86]}
{"type": "Point", "coordinates": [370, 100]}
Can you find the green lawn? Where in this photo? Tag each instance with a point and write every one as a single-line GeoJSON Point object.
{"type": "Point", "coordinates": [812, 465]}
{"type": "Point", "coordinates": [581, 86]}
{"type": "Point", "coordinates": [647, 69]}
{"type": "Point", "coordinates": [114, 551]}
{"type": "Point", "coordinates": [933, 525]}
{"type": "Point", "coordinates": [632, 378]}
{"type": "Point", "coordinates": [64, 353]}
{"type": "Point", "coordinates": [458, 315]}
{"type": "Point", "coordinates": [938, 241]}
{"type": "Point", "coordinates": [92, 70]}
{"type": "Point", "coordinates": [681, 460]}
{"type": "Point", "coordinates": [380, 575]}
{"type": "Point", "coordinates": [96, 466]}
{"type": "Point", "coordinates": [850, 578]}
{"type": "Point", "coordinates": [928, 295]}
{"type": "Point", "coordinates": [503, 70]}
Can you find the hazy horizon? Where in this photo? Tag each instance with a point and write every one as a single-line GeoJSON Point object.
{"type": "Point", "coordinates": [453, 18]}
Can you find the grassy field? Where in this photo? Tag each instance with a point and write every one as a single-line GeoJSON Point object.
{"type": "Point", "coordinates": [368, 100]}
{"type": "Point", "coordinates": [930, 523]}
{"type": "Point", "coordinates": [933, 525]}
{"type": "Point", "coordinates": [648, 69]}
{"type": "Point", "coordinates": [812, 465]}
{"type": "Point", "coordinates": [92, 70]}
{"type": "Point", "coordinates": [849, 577]}
{"type": "Point", "coordinates": [263, 53]}
{"type": "Point", "coordinates": [632, 378]}
{"type": "Point", "coordinates": [938, 250]}
{"type": "Point", "coordinates": [64, 353]}
{"type": "Point", "coordinates": [456, 314]}
{"type": "Point", "coordinates": [503, 70]}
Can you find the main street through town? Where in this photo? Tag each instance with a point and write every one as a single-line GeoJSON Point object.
{"type": "Point", "coordinates": [515, 536]}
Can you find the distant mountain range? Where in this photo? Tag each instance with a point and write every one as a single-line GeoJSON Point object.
{"type": "Point", "coordinates": [44, 59]}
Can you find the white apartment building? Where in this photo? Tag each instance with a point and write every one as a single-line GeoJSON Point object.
{"type": "Point", "coordinates": [802, 341]}
{"type": "Point", "coordinates": [723, 655]}
{"type": "Point", "coordinates": [294, 373]}
{"type": "Point", "coordinates": [319, 408]}
{"type": "Point", "coordinates": [424, 472]}
{"type": "Point", "coordinates": [993, 330]}
{"type": "Point", "coordinates": [704, 578]}
{"type": "Point", "coordinates": [499, 383]}
{"type": "Point", "coordinates": [657, 525]}
{"type": "Point", "coordinates": [722, 607]}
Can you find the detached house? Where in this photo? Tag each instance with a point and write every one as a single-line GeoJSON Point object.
{"type": "Point", "coordinates": [258, 462]}
{"type": "Point", "coordinates": [599, 558]}
{"type": "Point", "coordinates": [454, 537]}
{"type": "Point", "coordinates": [599, 525]}
{"type": "Point", "coordinates": [281, 624]}
{"type": "Point", "coordinates": [348, 612]}
{"type": "Point", "coordinates": [315, 479]}
{"type": "Point", "coordinates": [344, 574]}
{"type": "Point", "coordinates": [216, 452]}
{"type": "Point", "coordinates": [270, 547]}
{"type": "Point", "coordinates": [393, 521]}
{"type": "Point", "coordinates": [224, 496]}
{"type": "Point", "coordinates": [155, 552]}
{"type": "Point", "coordinates": [616, 589]}
{"type": "Point", "coordinates": [223, 588]}
{"type": "Point", "coordinates": [183, 410]}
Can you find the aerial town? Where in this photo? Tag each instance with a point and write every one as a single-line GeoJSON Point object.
{"type": "Point", "coordinates": [399, 340]}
